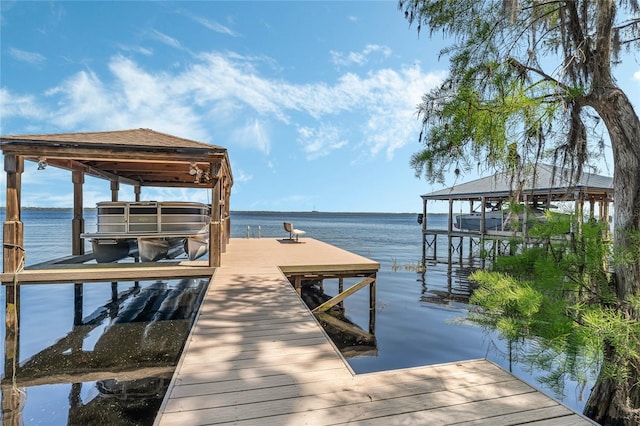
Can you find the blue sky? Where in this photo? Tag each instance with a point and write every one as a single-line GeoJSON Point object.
{"type": "Point", "coordinates": [315, 101]}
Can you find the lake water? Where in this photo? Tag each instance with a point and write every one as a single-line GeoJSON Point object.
{"type": "Point", "coordinates": [421, 319]}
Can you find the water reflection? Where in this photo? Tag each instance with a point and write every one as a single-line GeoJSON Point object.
{"type": "Point", "coordinates": [458, 287]}
{"type": "Point", "coordinates": [115, 364]}
{"type": "Point", "coordinates": [349, 337]}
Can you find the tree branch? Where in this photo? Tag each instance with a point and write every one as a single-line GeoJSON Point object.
{"type": "Point", "coordinates": [518, 65]}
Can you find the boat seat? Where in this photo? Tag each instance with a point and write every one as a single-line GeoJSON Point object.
{"type": "Point", "coordinates": [292, 231]}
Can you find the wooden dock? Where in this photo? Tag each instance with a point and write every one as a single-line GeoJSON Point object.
{"type": "Point", "coordinates": [256, 355]}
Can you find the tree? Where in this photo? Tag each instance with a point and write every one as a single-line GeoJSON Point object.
{"type": "Point", "coordinates": [532, 80]}
{"type": "Point", "coordinates": [555, 298]}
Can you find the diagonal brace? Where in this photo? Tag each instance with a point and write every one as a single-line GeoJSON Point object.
{"type": "Point", "coordinates": [341, 296]}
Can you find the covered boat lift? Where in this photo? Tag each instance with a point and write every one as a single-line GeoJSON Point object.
{"type": "Point", "coordinates": [138, 157]}
{"type": "Point", "coordinates": [541, 185]}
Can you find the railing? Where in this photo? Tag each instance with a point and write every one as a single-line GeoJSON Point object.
{"type": "Point", "coordinates": [151, 217]}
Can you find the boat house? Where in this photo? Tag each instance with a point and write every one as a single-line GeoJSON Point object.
{"type": "Point", "coordinates": [539, 187]}
{"type": "Point", "coordinates": [139, 157]}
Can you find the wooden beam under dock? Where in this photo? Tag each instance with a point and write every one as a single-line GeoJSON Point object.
{"type": "Point", "coordinates": [81, 272]}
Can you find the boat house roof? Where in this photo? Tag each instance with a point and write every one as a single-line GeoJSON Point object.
{"type": "Point", "coordinates": [548, 182]}
{"type": "Point", "coordinates": [141, 157]}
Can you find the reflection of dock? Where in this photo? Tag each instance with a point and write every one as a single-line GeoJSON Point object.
{"type": "Point", "coordinates": [132, 360]}
{"type": "Point", "coordinates": [257, 355]}
{"type": "Point", "coordinates": [348, 337]}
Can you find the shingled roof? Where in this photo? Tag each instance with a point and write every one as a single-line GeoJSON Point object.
{"type": "Point", "coordinates": [129, 138]}
{"type": "Point", "coordinates": [138, 157]}
{"type": "Point", "coordinates": [548, 181]}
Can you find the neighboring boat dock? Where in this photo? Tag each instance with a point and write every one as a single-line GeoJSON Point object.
{"type": "Point", "coordinates": [257, 355]}
{"type": "Point", "coordinates": [485, 225]}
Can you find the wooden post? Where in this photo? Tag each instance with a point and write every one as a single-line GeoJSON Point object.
{"type": "Point", "coordinates": [449, 231]}
{"type": "Point", "coordinates": [605, 214]}
{"type": "Point", "coordinates": [223, 215]}
{"type": "Point", "coordinates": [579, 210]}
{"type": "Point", "coordinates": [435, 246]}
{"type": "Point", "coordinates": [215, 243]}
{"type": "Point", "coordinates": [424, 232]}
{"type": "Point", "coordinates": [297, 284]}
{"type": "Point", "coordinates": [483, 226]}
{"type": "Point", "coordinates": [77, 224]}
{"type": "Point", "coordinates": [525, 219]}
{"type": "Point", "coordinates": [136, 192]}
{"type": "Point", "coordinates": [483, 217]}
{"type": "Point", "coordinates": [13, 229]}
{"type": "Point", "coordinates": [372, 306]}
{"type": "Point", "coordinates": [13, 260]}
{"type": "Point", "coordinates": [78, 293]}
{"type": "Point", "coordinates": [115, 187]}
{"type": "Point", "coordinates": [228, 223]}
{"type": "Point", "coordinates": [343, 295]}
{"type": "Point", "coordinates": [11, 396]}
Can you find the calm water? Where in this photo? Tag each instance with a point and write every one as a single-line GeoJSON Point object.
{"type": "Point", "coordinates": [420, 317]}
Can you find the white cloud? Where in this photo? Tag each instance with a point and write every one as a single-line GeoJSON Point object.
{"type": "Point", "coordinates": [321, 141]}
{"type": "Point", "coordinates": [240, 175]}
{"type": "Point", "coordinates": [215, 26]}
{"type": "Point", "coordinates": [165, 39]}
{"type": "Point", "coordinates": [253, 134]}
{"type": "Point", "coordinates": [210, 24]}
{"type": "Point", "coordinates": [23, 106]}
{"type": "Point", "coordinates": [636, 75]}
{"type": "Point", "coordinates": [136, 49]}
{"type": "Point", "coordinates": [24, 56]}
{"type": "Point", "coordinates": [227, 95]}
{"type": "Point", "coordinates": [134, 99]}
{"type": "Point", "coordinates": [341, 59]}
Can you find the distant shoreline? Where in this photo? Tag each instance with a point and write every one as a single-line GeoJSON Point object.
{"type": "Point", "coordinates": [243, 211]}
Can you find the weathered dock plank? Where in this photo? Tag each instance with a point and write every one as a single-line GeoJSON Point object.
{"type": "Point", "coordinates": [257, 356]}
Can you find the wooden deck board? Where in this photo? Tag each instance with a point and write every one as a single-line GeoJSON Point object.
{"type": "Point", "coordinates": [109, 272]}
{"type": "Point", "coordinates": [553, 412]}
{"type": "Point", "coordinates": [256, 355]}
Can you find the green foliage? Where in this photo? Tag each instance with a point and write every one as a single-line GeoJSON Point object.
{"type": "Point", "coordinates": [629, 252]}
{"type": "Point", "coordinates": [520, 75]}
{"type": "Point", "coordinates": [558, 294]}
{"type": "Point", "coordinates": [524, 80]}
{"type": "Point", "coordinates": [510, 304]}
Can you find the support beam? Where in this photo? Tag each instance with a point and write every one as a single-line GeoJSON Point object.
{"type": "Point", "coordinates": [579, 206]}
{"type": "Point", "coordinates": [424, 230]}
{"type": "Point", "coordinates": [13, 228]}
{"type": "Point", "coordinates": [115, 187]}
{"type": "Point", "coordinates": [483, 215]}
{"type": "Point", "coordinates": [341, 296]}
{"type": "Point", "coordinates": [77, 224]}
{"type": "Point", "coordinates": [215, 241]}
{"type": "Point", "coordinates": [297, 284]}
{"type": "Point", "coordinates": [449, 231]}
{"type": "Point", "coordinates": [525, 221]}
{"type": "Point", "coordinates": [13, 261]}
{"type": "Point", "coordinates": [372, 306]}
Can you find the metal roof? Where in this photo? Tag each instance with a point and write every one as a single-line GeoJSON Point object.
{"type": "Point", "coordinates": [549, 180]}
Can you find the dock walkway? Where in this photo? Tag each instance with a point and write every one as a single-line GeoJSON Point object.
{"type": "Point", "coordinates": [257, 356]}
